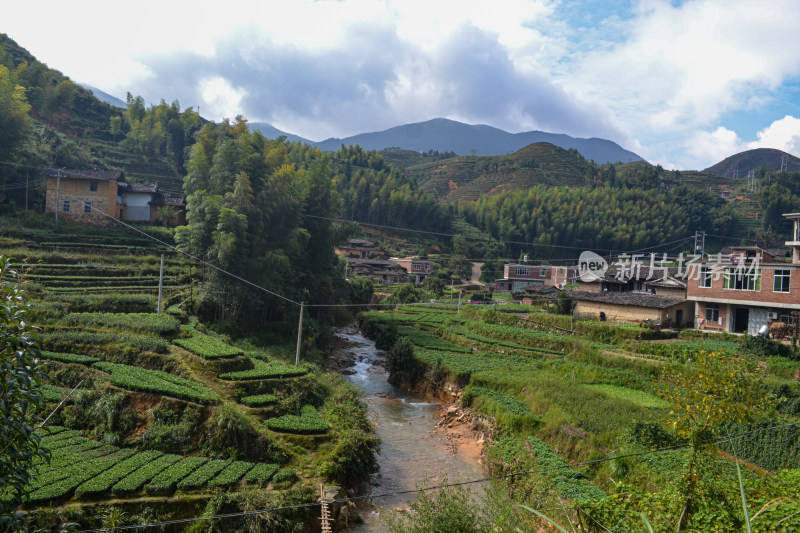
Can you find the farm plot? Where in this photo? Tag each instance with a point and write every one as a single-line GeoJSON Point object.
{"type": "Point", "coordinates": [157, 382]}
{"type": "Point", "coordinates": [207, 346]}
{"type": "Point", "coordinates": [145, 322]}
{"type": "Point", "coordinates": [309, 422]}
{"type": "Point", "coordinates": [263, 370]}
{"type": "Point", "coordinates": [428, 340]}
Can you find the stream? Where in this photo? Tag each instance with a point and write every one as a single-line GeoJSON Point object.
{"type": "Point", "coordinates": [411, 451]}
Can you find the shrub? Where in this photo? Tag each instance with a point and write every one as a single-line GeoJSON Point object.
{"type": "Point", "coordinates": [261, 473]}
{"type": "Point", "coordinates": [201, 475]}
{"type": "Point", "coordinates": [134, 481]}
{"type": "Point", "coordinates": [309, 422]}
{"type": "Point", "coordinates": [155, 381]}
{"type": "Point", "coordinates": [259, 400]}
{"type": "Point", "coordinates": [760, 346]}
{"type": "Point", "coordinates": [402, 365]}
{"type": "Point", "coordinates": [263, 370]}
{"type": "Point", "coordinates": [207, 346]}
{"type": "Point", "coordinates": [148, 322]}
{"type": "Point", "coordinates": [169, 478]}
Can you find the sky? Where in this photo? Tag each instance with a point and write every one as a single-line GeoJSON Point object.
{"type": "Point", "coordinates": [684, 84]}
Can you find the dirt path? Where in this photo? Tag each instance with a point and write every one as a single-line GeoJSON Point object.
{"type": "Point", "coordinates": [476, 273]}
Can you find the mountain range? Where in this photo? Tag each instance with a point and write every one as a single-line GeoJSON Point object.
{"type": "Point", "coordinates": [444, 135]}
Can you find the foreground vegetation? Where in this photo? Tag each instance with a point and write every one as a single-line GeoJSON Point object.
{"type": "Point", "coordinates": [609, 421]}
{"type": "Point", "coordinates": [160, 406]}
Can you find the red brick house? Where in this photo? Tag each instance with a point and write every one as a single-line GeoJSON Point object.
{"type": "Point", "coordinates": [518, 276]}
{"type": "Point", "coordinates": [751, 290]}
{"type": "Point", "coordinates": [418, 269]}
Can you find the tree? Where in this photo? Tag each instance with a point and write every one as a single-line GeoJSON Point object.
{"type": "Point", "coordinates": [402, 365]}
{"type": "Point", "coordinates": [21, 376]}
{"type": "Point", "coordinates": [713, 390]}
{"type": "Point", "coordinates": [115, 126]}
{"type": "Point", "coordinates": [14, 121]}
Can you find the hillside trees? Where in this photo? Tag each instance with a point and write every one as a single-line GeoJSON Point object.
{"type": "Point", "coordinates": [606, 218]}
{"type": "Point", "coordinates": [160, 130]}
{"type": "Point", "coordinates": [252, 212]}
{"type": "Point", "coordinates": [14, 107]}
{"type": "Point", "coordinates": [377, 193]}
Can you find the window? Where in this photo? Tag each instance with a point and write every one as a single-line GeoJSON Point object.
{"type": "Point", "coordinates": [741, 280]}
{"type": "Point", "coordinates": [543, 273]}
{"type": "Point", "coordinates": [87, 207]}
{"type": "Point", "coordinates": [712, 312]}
{"type": "Point", "coordinates": [65, 206]}
{"type": "Point", "coordinates": [785, 317]}
{"type": "Point", "coordinates": [705, 277]}
{"type": "Point", "coordinates": [93, 186]}
{"type": "Point", "coordinates": [782, 278]}
{"type": "Point", "coordinates": [521, 271]}
{"type": "Point", "coordinates": [416, 266]}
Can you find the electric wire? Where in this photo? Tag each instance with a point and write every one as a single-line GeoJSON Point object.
{"type": "Point", "coordinates": [178, 250]}
{"type": "Point", "coordinates": [443, 485]}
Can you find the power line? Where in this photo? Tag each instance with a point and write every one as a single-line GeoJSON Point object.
{"type": "Point", "coordinates": [176, 249]}
{"type": "Point", "coordinates": [441, 485]}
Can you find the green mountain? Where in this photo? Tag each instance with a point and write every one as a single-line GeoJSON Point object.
{"type": "Point", "coordinates": [739, 165]}
{"type": "Point", "coordinates": [470, 177]}
{"type": "Point", "coordinates": [449, 135]}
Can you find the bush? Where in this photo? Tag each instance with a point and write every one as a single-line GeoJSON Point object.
{"type": "Point", "coordinates": [760, 346]}
{"type": "Point", "coordinates": [401, 364]}
{"type": "Point", "coordinates": [309, 422]}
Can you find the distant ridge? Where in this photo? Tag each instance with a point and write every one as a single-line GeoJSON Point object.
{"type": "Point", "coordinates": [444, 135]}
{"type": "Point", "coordinates": [271, 132]}
{"type": "Point", "coordinates": [742, 163]}
{"type": "Point", "coordinates": [105, 97]}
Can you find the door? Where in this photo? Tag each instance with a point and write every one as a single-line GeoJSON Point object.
{"type": "Point", "coordinates": [679, 318]}
{"type": "Point", "coordinates": [741, 317]}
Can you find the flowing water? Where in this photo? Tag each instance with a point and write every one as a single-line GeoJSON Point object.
{"type": "Point", "coordinates": [411, 452]}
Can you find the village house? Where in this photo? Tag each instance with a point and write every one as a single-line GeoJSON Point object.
{"type": "Point", "coordinates": [517, 276]}
{"type": "Point", "coordinates": [99, 197]}
{"type": "Point", "coordinates": [752, 289]}
{"type": "Point", "coordinates": [86, 197]}
{"type": "Point", "coordinates": [360, 249]}
{"type": "Point", "coordinates": [380, 270]}
{"type": "Point", "coordinates": [417, 269]}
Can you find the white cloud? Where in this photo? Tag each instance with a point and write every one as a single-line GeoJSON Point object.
{"type": "Point", "coordinates": [783, 134]}
{"type": "Point", "coordinates": [221, 97]}
{"type": "Point", "coordinates": [681, 67]}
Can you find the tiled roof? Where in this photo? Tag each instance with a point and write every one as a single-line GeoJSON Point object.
{"type": "Point", "coordinates": [98, 175]}
{"type": "Point", "coordinates": [141, 187]}
{"type": "Point", "coordinates": [169, 198]}
{"type": "Point", "coordinates": [635, 299]}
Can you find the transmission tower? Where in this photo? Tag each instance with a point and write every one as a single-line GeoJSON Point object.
{"type": "Point", "coordinates": [784, 163]}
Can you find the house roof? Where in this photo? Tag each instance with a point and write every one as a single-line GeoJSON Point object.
{"type": "Point", "coordinates": [95, 175]}
{"type": "Point", "coordinates": [636, 299]}
{"type": "Point", "coordinates": [540, 290]}
{"type": "Point", "coordinates": [141, 187]}
{"type": "Point", "coordinates": [171, 199]}
{"type": "Point", "coordinates": [667, 282]}
{"type": "Point", "coordinates": [358, 243]}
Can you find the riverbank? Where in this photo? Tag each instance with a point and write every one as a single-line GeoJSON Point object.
{"type": "Point", "coordinates": [423, 439]}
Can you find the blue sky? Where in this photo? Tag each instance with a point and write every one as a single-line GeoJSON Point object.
{"type": "Point", "coordinates": [684, 84]}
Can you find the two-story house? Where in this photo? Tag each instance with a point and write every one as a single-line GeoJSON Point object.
{"type": "Point", "coordinates": [748, 291]}
{"type": "Point", "coordinates": [518, 276]}
{"type": "Point", "coordinates": [86, 197]}
{"type": "Point", "coordinates": [99, 197]}
{"type": "Point", "coordinates": [418, 269]}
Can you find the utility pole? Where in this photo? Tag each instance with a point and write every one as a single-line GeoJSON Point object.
{"type": "Point", "coordinates": [299, 336]}
{"type": "Point", "coordinates": [459, 302]}
{"type": "Point", "coordinates": [58, 189]}
{"type": "Point", "coordinates": [160, 284]}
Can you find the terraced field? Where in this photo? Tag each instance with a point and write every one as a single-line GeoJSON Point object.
{"type": "Point", "coordinates": [158, 405]}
